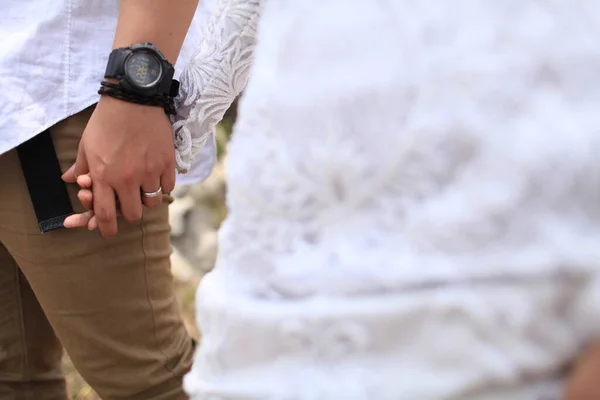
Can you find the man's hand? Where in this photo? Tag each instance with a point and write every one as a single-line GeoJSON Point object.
{"type": "Point", "coordinates": [127, 149]}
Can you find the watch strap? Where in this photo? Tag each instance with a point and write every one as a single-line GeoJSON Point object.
{"type": "Point", "coordinates": [166, 84]}
{"type": "Point", "coordinates": [165, 101]}
{"type": "Point", "coordinates": [116, 63]}
{"type": "Point", "coordinates": [174, 90]}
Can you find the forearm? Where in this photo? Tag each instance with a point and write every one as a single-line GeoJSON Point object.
{"type": "Point", "coordinates": [584, 379]}
{"type": "Point", "coordinates": [164, 23]}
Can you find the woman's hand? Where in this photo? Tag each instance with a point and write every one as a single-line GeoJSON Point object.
{"type": "Point", "coordinates": [86, 197]}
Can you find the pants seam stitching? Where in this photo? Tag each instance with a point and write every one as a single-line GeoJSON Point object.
{"type": "Point", "coordinates": [144, 252]}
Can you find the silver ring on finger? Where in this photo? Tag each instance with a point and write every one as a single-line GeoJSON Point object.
{"type": "Point", "coordinates": [153, 194]}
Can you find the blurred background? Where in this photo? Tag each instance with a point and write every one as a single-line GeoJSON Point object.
{"type": "Point", "coordinates": [195, 216]}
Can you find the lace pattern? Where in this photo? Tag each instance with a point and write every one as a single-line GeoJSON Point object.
{"type": "Point", "coordinates": [217, 73]}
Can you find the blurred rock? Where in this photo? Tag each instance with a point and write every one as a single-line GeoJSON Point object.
{"type": "Point", "coordinates": [181, 268]}
{"type": "Point", "coordinates": [195, 215]}
{"type": "Point", "coordinates": [177, 213]}
{"type": "Point", "coordinates": [180, 191]}
{"type": "Point", "coordinates": [212, 189]}
{"type": "Point", "coordinates": [207, 249]}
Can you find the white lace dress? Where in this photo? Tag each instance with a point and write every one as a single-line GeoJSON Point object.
{"type": "Point", "coordinates": [414, 197]}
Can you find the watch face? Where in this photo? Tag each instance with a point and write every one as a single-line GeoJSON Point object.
{"type": "Point", "coordinates": [143, 69]}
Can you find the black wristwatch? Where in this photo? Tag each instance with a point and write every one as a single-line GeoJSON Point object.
{"type": "Point", "coordinates": [141, 69]}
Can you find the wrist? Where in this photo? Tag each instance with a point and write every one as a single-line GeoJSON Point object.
{"type": "Point", "coordinates": [117, 106]}
{"type": "Point", "coordinates": [121, 93]}
{"type": "Point", "coordinates": [140, 74]}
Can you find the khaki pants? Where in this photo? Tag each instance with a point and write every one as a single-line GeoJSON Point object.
{"type": "Point", "coordinates": [110, 302]}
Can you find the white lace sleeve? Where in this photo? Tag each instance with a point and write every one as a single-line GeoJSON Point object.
{"type": "Point", "coordinates": [216, 74]}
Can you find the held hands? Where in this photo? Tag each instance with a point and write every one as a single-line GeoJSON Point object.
{"type": "Point", "coordinates": [86, 197]}
{"type": "Point", "coordinates": [126, 149]}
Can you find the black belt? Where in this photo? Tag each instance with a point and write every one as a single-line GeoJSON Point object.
{"type": "Point", "coordinates": [47, 190]}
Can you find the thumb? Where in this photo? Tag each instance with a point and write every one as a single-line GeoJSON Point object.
{"type": "Point", "coordinates": [69, 176]}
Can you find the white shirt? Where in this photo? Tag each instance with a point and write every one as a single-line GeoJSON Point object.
{"type": "Point", "coordinates": [413, 201]}
{"type": "Point", "coordinates": [52, 59]}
